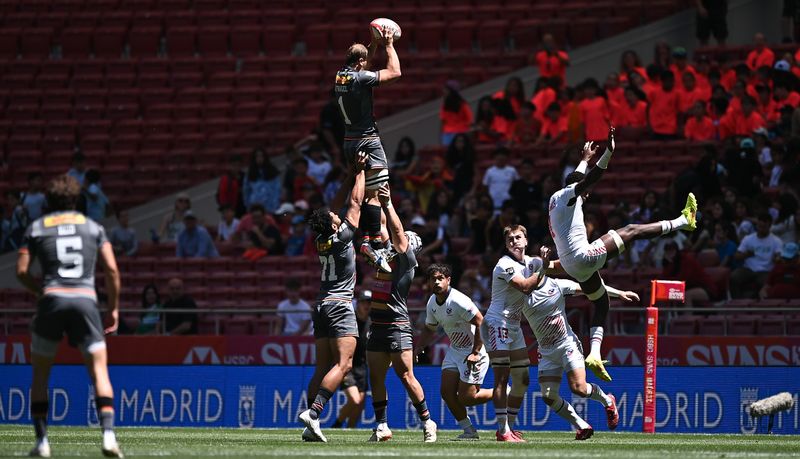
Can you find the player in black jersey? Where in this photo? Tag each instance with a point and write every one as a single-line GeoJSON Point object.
{"type": "Point", "coordinates": [67, 245]}
{"type": "Point", "coordinates": [390, 332]}
{"type": "Point", "coordinates": [335, 328]}
{"type": "Point", "coordinates": [353, 92]}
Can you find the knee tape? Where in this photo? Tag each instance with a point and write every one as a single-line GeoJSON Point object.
{"type": "Point", "coordinates": [520, 378]}
{"type": "Point", "coordinates": [500, 362]}
{"type": "Point", "coordinates": [597, 294]}
{"type": "Point", "coordinates": [374, 181]}
{"type": "Point", "coordinates": [617, 240]}
{"type": "Point", "coordinates": [550, 390]}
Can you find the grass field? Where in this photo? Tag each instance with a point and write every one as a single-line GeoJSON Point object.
{"type": "Point", "coordinates": [140, 442]}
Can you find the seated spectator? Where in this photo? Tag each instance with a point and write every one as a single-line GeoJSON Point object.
{"type": "Point", "coordinates": [683, 266]}
{"type": "Point", "coordinates": [784, 279]}
{"type": "Point", "coordinates": [194, 241]}
{"type": "Point", "coordinates": [497, 223]}
{"type": "Point", "coordinates": [784, 225]}
{"type": "Point", "coordinates": [743, 169]}
{"type": "Point", "coordinates": [478, 281]}
{"type": "Point", "coordinates": [33, 200]}
{"type": "Point", "coordinates": [615, 93]}
{"type": "Point", "coordinates": [743, 122]}
{"type": "Point", "coordinates": [689, 93]}
{"type": "Point", "coordinates": [550, 60]}
{"type": "Point", "coordinates": [498, 178]}
{"type": "Point", "coordinates": [680, 63]}
{"type": "Point", "coordinates": [554, 125]}
{"type": "Point", "coordinates": [545, 93]}
{"type": "Point", "coordinates": [228, 223]}
{"type": "Point", "coordinates": [123, 237]}
{"type": "Point", "coordinates": [455, 113]}
{"type": "Point", "coordinates": [283, 218]}
{"type": "Point", "coordinates": [172, 223]}
{"type": "Point", "coordinates": [478, 219]}
{"type": "Point", "coordinates": [489, 126]}
{"type": "Point", "coordinates": [318, 164]}
{"type": "Point", "coordinates": [632, 111]}
{"type": "Point", "coordinates": [333, 181]}
{"type": "Point", "coordinates": [724, 241]}
{"type": "Point", "coordinates": [595, 112]}
{"type": "Point", "coordinates": [699, 127]}
{"type": "Point", "coordinates": [460, 158]}
{"type": "Point", "coordinates": [757, 251]}
{"type": "Point", "coordinates": [405, 157]}
{"type": "Point", "coordinates": [629, 62]}
{"type": "Point", "coordinates": [525, 130]}
{"type": "Point", "coordinates": [295, 314]}
{"type": "Point", "coordinates": [299, 237]}
{"type": "Point", "coordinates": [262, 182]}
{"type": "Point", "coordinates": [151, 311]}
{"type": "Point", "coordinates": [526, 192]}
{"type": "Point", "coordinates": [433, 235]}
{"type": "Point", "coordinates": [96, 204]}
{"type": "Point", "coordinates": [78, 169]}
{"type": "Point", "coordinates": [229, 189]}
{"type": "Point", "coordinates": [302, 181]}
{"type": "Point", "coordinates": [513, 93]}
{"type": "Point", "coordinates": [180, 323]}
{"type": "Point", "coordinates": [261, 232]}
{"type": "Point", "coordinates": [664, 108]}
{"type": "Point", "coordinates": [433, 177]}
{"type": "Point", "coordinates": [783, 96]}
{"type": "Point", "coordinates": [761, 55]}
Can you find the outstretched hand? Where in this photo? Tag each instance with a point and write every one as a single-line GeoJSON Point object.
{"type": "Point", "coordinates": [629, 297]}
{"type": "Point", "coordinates": [387, 36]}
{"type": "Point", "coordinates": [361, 162]}
{"type": "Point", "coordinates": [589, 150]}
{"type": "Point", "coordinates": [611, 143]}
{"type": "Point", "coordinates": [384, 194]}
{"type": "Point", "coordinates": [545, 253]}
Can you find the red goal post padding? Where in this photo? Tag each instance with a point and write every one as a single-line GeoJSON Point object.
{"type": "Point", "coordinates": [660, 290]}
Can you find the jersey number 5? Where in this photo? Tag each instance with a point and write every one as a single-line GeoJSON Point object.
{"type": "Point", "coordinates": [328, 268]}
{"type": "Point", "coordinates": [344, 112]}
{"type": "Point", "coordinates": [69, 255]}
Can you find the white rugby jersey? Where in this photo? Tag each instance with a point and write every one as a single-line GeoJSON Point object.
{"type": "Point", "coordinates": [567, 227]}
{"type": "Point", "coordinates": [454, 316]}
{"type": "Point", "coordinates": [545, 310]}
{"type": "Point", "coordinates": [506, 300]}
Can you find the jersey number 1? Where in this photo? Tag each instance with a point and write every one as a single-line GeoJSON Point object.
{"type": "Point", "coordinates": [344, 112]}
{"type": "Point", "coordinates": [328, 267]}
{"type": "Point", "coordinates": [70, 257]}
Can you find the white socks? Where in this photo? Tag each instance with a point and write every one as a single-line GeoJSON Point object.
{"type": "Point", "coordinates": [595, 393]}
{"type": "Point", "coordinates": [596, 336]}
{"type": "Point", "coordinates": [566, 411]}
{"type": "Point", "coordinates": [383, 426]}
{"type": "Point", "coordinates": [466, 424]}
{"type": "Point", "coordinates": [109, 439]}
{"type": "Point", "coordinates": [668, 226]}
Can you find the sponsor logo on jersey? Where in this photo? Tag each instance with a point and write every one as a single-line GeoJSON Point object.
{"type": "Point", "coordinates": [510, 271]}
{"type": "Point", "coordinates": [64, 219]}
{"type": "Point", "coordinates": [449, 311]}
{"type": "Point", "coordinates": [343, 78]}
{"type": "Point", "coordinates": [324, 246]}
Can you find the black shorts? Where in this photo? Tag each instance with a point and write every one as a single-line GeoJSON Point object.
{"type": "Point", "coordinates": [393, 338]}
{"type": "Point", "coordinates": [357, 377]}
{"type": "Point", "coordinates": [372, 146]}
{"type": "Point", "coordinates": [715, 23]}
{"type": "Point", "coordinates": [334, 319]}
{"type": "Point", "coordinates": [78, 318]}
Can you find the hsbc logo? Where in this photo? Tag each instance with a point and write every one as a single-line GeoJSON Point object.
{"type": "Point", "coordinates": [675, 294]}
{"type": "Point", "coordinates": [201, 355]}
{"type": "Point", "coordinates": [623, 356]}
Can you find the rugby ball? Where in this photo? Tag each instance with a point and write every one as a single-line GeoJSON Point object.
{"type": "Point", "coordinates": [377, 25]}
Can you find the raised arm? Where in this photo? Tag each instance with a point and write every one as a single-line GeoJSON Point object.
{"type": "Point", "coordinates": [393, 224]}
{"type": "Point", "coordinates": [357, 195]}
{"type": "Point", "coordinates": [392, 71]}
{"type": "Point", "coordinates": [536, 267]}
{"type": "Point", "coordinates": [594, 175]}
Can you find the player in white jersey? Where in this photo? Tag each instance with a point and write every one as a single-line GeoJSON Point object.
{"type": "Point", "coordinates": [560, 349]}
{"type": "Point", "coordinates": [466, 362]}
{"type": "Point", "coordinates": [502, 332]}
{"type": "Point", "coordinates": [581, 259]}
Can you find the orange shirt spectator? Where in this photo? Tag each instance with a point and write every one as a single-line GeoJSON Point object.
{"type": "Point", "coordinates": [699, 130]}
{"type": "Point", "coordinates": [456, 122]}
{"type": "Point", "coordinates": [741, 123]}
{"type": "Point", "coordinates": [554, 125]}
{"type": "Point", "coordinates": [630, 113]}
{"type": "Point", "coordinates": [596, 117]}
{"type": "Point", "coordinates": [664, 106]}
{"type": "Point", "coordinates": [542, 100]}
{"type": "Point", "coordinates": [727, 79]}
{"type": "Point", "coordinates": [526, 128]}
{"type": "Point", "coordinates": [550, 60]}
{"type": "Point", "coordinates": [761, 56]}
{"type": "Point", "coordinates": [514, 93]}
{"type": "Point", "coordinates": [783, 97]}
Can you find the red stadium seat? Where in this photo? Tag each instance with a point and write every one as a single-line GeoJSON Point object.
{"type": "Point", "coordinates": [144, 40]}
{"type": "Point", "coordinates": [770, 326]}
{"type": "Point", "coordinates": [460, 35]}
{"type": "Point", "coordinates": [181, 41]}
{"type": "Point", "coordinates": [741, 326]}
{"type": "Point", "coordinates": [492, 35]}
{"type": "Point", "coordinates": [9, 42]}
{"type": "Point", "coordinates": [711, 326]}
{"type": "Point", "coordinates": [76, 41]}
{"type": "Point", "coordinates": [429, 35]}
{"type": "Point", "coordinates": [36, 42]}
{"type": "Point", "coordinates": [109, 41]}
{"type": "Point", "coordinates": [683, 325]}
{"type": "Point", "coordinates": [245, 40]}
{"type": "Point", "coordinates": [278, 39]}
{"type": "Point", "coordinates": [213, 41]}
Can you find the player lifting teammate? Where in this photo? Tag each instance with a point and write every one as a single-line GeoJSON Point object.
{"type": "Point", "coordinates": [582, 260]}
{"type": "Point", "coordinates": [335, 328]}
{"type": "Point", "coordinates": [353, 92]}
{"type": "Point", "coordinates": [67, 245]}
{"type": "Point", "coordinates": [390, 333]}
{"type": "Point", "coordinates": [502, 332]}
{"type": "Point", "coordinates": [560, 349]}
{"type": "Point", "coordinates": [466, 362]}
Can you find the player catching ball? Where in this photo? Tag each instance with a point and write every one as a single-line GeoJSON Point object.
{"type": "Point", "coordinates": [582, 260]}
{"type": "Point", "coordinates": [353, 91]}
{"type": "Point", "coordinates": [560, 349]}
{"type": "Point", "coordinates": [466, 362]}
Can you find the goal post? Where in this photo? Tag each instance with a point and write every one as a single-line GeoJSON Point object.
{"type": "Point", "coordinates": [660, 291]}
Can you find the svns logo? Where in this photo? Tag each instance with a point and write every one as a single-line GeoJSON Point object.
{"type": "Point", "coordinates": [247, 406]}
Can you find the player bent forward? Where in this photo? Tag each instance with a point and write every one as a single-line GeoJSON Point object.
{"type": "Point", "coordinates": [335, 327]}
{"type": "Point", "coordinates": [390, 333]}
{"type": "Point", "coordinates": [466, 362]}
{"type": "Point", "coordinates": [582, 260]}
{"type": "Point", "coordinates": [67, 244]}
{"type": "Point", "coordinates": [560, 349]}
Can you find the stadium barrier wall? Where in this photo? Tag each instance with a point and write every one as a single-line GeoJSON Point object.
{"type": "Point", "coordinates": [689, 399]}
{"type": "Point", "coordinates": [291, 350]}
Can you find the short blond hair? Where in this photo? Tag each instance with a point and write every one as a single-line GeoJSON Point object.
{"type": "Point", "coordinates": [356, 52]}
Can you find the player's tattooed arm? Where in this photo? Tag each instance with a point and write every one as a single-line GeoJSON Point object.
{"type": "Point", "coordinates": [356, 181]}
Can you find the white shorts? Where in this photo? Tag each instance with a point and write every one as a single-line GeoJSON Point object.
{"type": "Point", "coordinates": [585, 261]}
{"type": "Point", "coordinates": [454, 360]}
{"type": "Point", "coordinates": [502, 335]}
{"type": "Point", "coordinates": [565, 357]}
